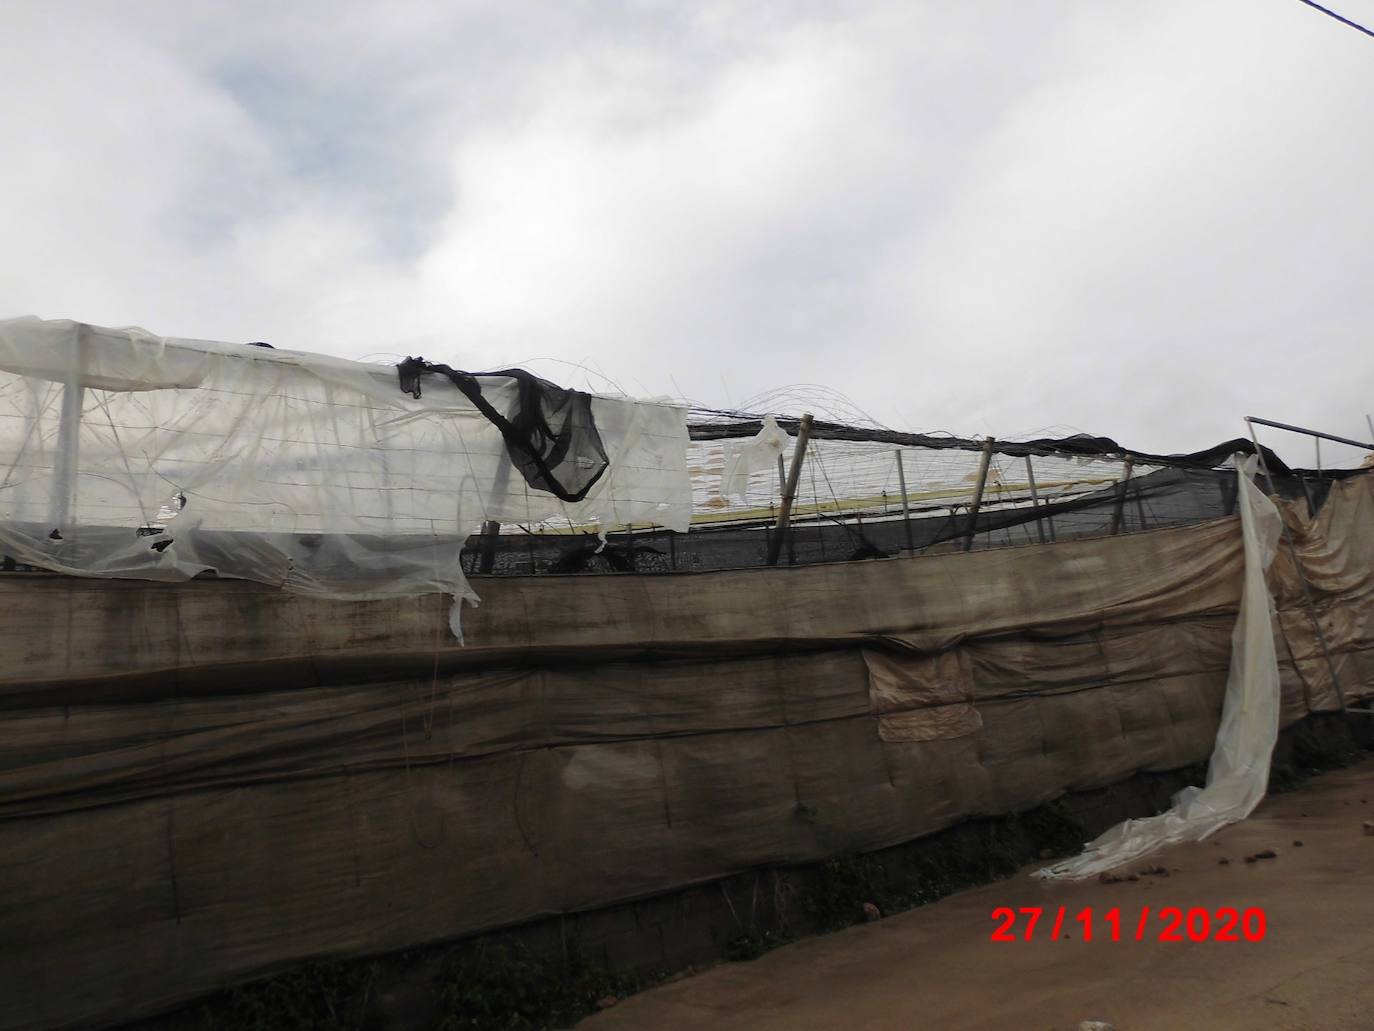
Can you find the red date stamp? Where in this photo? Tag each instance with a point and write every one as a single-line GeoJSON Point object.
{"type": "Point", "coordinates": [1169, 924]}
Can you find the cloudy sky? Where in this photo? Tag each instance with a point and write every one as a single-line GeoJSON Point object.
{"type": "Point", "coordinates": [1141, 220]}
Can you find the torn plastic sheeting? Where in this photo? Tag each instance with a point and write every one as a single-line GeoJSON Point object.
{"type": "Point", "coordinates": [756, 455]}
{"type": "Point", "coordinates": [1238, 774]}
{"type": "Point", "coordinates": [311, 473]}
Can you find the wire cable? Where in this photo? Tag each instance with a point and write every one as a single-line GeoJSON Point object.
{"type": "Point", "coordinates": [1345, 21]}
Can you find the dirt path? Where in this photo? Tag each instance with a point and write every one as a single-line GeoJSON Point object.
{"type": "Point", "coordinates": [935, 967]}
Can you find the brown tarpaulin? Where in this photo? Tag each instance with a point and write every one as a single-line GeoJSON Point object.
{"type": "Point", "coordinates": [201, 782]}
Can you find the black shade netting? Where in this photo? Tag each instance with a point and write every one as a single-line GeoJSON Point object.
{"type": "Point", "coordinates": [727, 426]}
{"type": "Point", "coordinates": [1162, 498]}
{"type": "Point", "coordinates": [550, 434]}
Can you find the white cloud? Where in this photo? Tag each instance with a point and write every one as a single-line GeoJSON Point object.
{"type": "Point", "coordinates": [1143, 221]}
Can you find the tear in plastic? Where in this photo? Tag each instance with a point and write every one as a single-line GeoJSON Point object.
{"type": "Point", "coordinates": [455, 614]}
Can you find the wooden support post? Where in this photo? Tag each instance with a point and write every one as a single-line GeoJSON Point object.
{"type": "Point", "coordinates": [1035, 499]}
{"type": "Point", "coordinates": [67, 460]}
{"type": "Point", "coordinates": [491, 529]}
{"type": "Point", "coordinates": [978, 493]}
{"type": "Point", "coordinates": [906, 504]}
{"type": "Point", "coordinates": [789, 490]}
{"type": "Point", "coordinates": [1311, 505]}
{"type": "Point", "coordinates": [1229, 495]}
{"type": "Point", "coordinates": [1120, 508]}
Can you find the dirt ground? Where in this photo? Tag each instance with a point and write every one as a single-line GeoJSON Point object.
{"type": "Point", "coordinates": [936, 967]}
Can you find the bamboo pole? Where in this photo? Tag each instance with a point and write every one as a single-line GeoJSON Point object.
{"type": "Point", "coordinates": [789, 490]}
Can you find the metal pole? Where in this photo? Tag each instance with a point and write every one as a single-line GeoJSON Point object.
{"type": "Point", "coordinates": [1302, 577]}
{"type": "Point", "coordinates": [1311, 433]}
{"type": "Point", "coordinates": [1120, 508]}
{"type": "Point", "coordinates": [906, 505]}
{"type": "Point", "coordinates": [789, 490]}
{"type": "Point", "coordinates": [1317, 443]}
{"type": "Point", "coordinates": [978, 493]}
{"type": "Point", "coordinates": [1035, 499]}
{"type": "Point", "coordinates": [782, 477]}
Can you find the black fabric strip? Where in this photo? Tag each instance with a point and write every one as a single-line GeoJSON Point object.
{"type": "Point", "coordinates": [565, 459]}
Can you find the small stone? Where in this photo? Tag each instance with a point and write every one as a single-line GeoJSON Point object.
{"type": "Point", "coordinates": [872, 912]}
{"type": "Point", "coordinates": [1223, 861]}
{"type": "Point", "coordinates": [1369, 828]}
{"type": "Point", "coordinates": [606, 1002]}
{"type": "Point", "coordinates": [1297, 844]}
{"type": "Point", "coordinates": [1095, 1025]}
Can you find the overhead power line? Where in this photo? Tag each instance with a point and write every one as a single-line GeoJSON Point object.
{"type": "Point", "coordinates": [1339, 18]}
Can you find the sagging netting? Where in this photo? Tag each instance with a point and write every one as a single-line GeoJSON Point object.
{"type": "Point", "coordinates": [550, 434]}
{"type": "Point", "coordinates": [849, 503]}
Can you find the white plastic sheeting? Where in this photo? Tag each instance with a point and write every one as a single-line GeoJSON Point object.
{"type": "Point", "coordinates": [130, 455]}
{"type": "Point", "coordinates": [758, 454]}
{"type": "Point", "coordinates": [1238, 774]}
